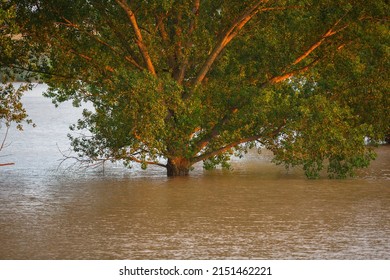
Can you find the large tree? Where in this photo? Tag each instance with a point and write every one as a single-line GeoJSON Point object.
{"type": "Point", "coordinates": [174, 83]}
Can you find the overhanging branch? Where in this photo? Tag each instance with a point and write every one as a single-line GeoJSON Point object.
{"type": "Point", "coordinates": [20, 68]}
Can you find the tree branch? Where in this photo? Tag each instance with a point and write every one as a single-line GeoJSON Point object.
{"type": "Point", "coordinates": [96, 161]}
{"type": "Point", "coordinates": [183, 66]}
{"type": "Point", "coordinates": [226, 38]}
{"type": "Point", "coordinates": [161, 28]}
{"type": "Point", "coordinates": [138, 36]}
{"type": "Point", "coordinates": [68, 48]}
{"type": "Point", "coordinates": [287, 75]}
{"type": "Point", "coordinates": [165, 39]}
{"type": "Point", "coordinates": [5, 136]}
{"type": "Point", "coordinates": [6, 164]}
{"type": "Point", "coordinates": [102, 42]}
{"type": "Point", "coordinates": [125, 45]}
{"type": "Point", "coordinates": [3, 145]}
{"type": "Point", "coordinates": [330, 32]}
{"type": "Point", "coordinates": [214, 132]}
{"type": "Point", "coordinates": [147, 162]}
{"type": "Point", "coordinates": [223, 149]}
{"type": "Point", "coordinates": [37, 71]}
{"type": "Point", "coordinates": [234, 144]}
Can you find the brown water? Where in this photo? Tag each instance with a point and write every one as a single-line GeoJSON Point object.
{"type": "Point", "coordinates": [256, 211]}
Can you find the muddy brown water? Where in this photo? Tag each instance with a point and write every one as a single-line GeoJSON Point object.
{"type": "Point", "coordinates": [256, 211]}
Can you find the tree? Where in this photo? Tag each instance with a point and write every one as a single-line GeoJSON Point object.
{"type": "Point", "coordinates": [11, 108]}
{"type": "Point", "coordinates": [174, 83]}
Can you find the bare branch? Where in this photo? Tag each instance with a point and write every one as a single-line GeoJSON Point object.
{"type": "Point", "coordinates": [5, 137]}
{"type": "Point", "coordinates": [3, 145]}
{"type": "Point", "coordinates": [93, 162]}
{"type": "Point", "coordinates": [6, 164]}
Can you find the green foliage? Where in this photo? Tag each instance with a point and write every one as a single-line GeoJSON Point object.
{"type": "Point", "coordinates": [196, 81]}
{"type": "Point", "coordinates": [324, 134]}
{"type": "Point", "coordinates": [11, 108]}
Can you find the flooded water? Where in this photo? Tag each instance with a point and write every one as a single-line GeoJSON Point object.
{"type": "Point", "coordinates": [256, 211]}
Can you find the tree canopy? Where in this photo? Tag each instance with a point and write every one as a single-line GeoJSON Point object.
{"type": "Point", "coordinates": [174, 83]}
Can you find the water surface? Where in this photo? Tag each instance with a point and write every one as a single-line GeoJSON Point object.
{"type": "Point", "coordinates": [256, 211]}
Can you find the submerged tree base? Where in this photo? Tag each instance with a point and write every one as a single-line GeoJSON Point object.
{"type": "Point", "coordinates": [178, 167]}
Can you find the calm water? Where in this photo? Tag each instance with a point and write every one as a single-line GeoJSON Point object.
{"type": "Point", "coordinates": [256, 211]}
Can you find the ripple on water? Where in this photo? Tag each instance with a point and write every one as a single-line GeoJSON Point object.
{"type": "Point", "coordinates": [256, 211]}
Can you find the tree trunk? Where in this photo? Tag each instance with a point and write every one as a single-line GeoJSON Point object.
{"type": "Point", "coordinates": [178, 167]}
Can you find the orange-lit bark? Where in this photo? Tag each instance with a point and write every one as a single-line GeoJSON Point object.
{"type": "Point", "coordinates": [226, 38]}
{"type": "Point", "coordinates": [138, 36]}
{"type": "Point", "coordinates": [178, 167]}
